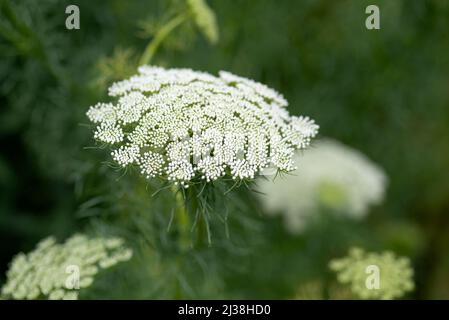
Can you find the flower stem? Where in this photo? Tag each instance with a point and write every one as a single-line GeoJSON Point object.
{"type": "Point", "coordinates": [187, 207]}
{"type": "Point", "coordinates": [166, 29]}
{"type": "Point", "coordinates": [202, 232]}
{"type": "Point", "coordinates": [183, 219]}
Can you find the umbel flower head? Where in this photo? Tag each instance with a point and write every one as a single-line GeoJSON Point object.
{"type": "Point", "coordinates": [58, 271]}
{"type": "Point", "coordinates": [331, 176]}
{"type": "Point", "coordinates": [181, 124]}
{"type": "Point", "coordinates": [358, 269]}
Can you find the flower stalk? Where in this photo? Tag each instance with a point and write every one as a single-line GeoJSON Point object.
{"type": "Point", "coordinates": [160, 36]}
{"type": "Point", "coordinates": [182, 219]}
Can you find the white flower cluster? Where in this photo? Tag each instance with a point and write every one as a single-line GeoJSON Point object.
{"type": "Point", "coordinates": [57, 271]}
{"type": "Point", "coordinates": [330, 175]}
{"type": "Point", "coordinates": [395, 274]}
{"type": "Point", "coordinates": [179, 124]}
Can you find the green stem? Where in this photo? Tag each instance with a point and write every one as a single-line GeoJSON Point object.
{"type": "Point", "coordinates": [202, 233]}
{"type": "Point", "coordinates": [153, 46]}
{"type": "Point", "coordinates": [182, 219]}
{"type": "Point", "coordinates": [185, 209]}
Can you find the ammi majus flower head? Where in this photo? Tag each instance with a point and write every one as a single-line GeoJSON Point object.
{"type": "Point", "coordinates": [182, 125]}
{"type": "Point", "coordinates": [331, 176]}
{"type": "Point", "coordinates": [59, 271]}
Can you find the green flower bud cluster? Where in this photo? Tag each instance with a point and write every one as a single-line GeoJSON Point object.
{"type": "Point", "coordinates": [374, 275]}
{"type": "Point", "coordinates": [58, 271]}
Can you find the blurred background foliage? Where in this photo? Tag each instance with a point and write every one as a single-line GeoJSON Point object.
{"type": "Point", "coordinates": [384, 92]}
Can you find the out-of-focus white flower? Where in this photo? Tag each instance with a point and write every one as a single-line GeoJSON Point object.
{"type": "Point", "coordinates": [374, 275]}
{"type": "Point", "coordinates": [329, 175]}
{"type": "Point", "coordinates": [180, 124]}
{"type": "Point", "coordinates": [58, 271]}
